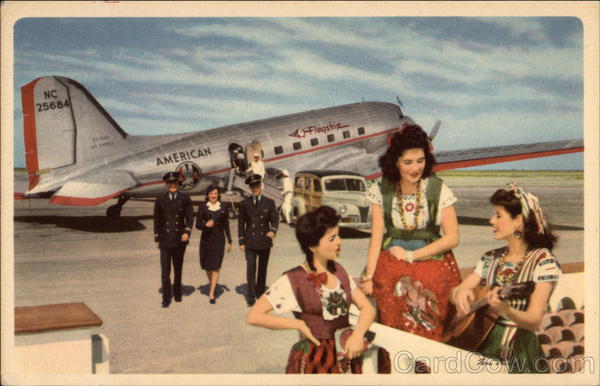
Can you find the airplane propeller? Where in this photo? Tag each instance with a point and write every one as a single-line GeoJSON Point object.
{"type": "Point", "coordinates": [400, 106]}
{"type": "Point", "coordinates": [435, 130]}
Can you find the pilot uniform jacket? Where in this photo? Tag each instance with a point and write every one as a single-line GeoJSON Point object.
{"type": "Point", "coordinates": [256, 221]}
{"type": "Point", "coordinates": [172, 218]}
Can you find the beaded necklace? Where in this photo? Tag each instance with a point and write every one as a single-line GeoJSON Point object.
{"type": "Point", "coordinates": [401, 207]}
{"type": "Point", "coordinates": [508, 278]}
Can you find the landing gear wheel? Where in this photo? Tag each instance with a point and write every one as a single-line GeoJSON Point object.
{"type": "Point", "coordinates": [114, 211]}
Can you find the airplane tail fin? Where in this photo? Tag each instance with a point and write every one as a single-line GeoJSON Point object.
{"type": "Point", "coordinates": [66, 130]}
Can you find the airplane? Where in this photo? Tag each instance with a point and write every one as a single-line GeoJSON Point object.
{"type": "Point", "coordinates": [76, 154]}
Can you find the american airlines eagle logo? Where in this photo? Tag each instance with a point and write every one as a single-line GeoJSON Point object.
{"type": "Point", "coordinates": [189, 175]}
{"type": "Point", "coordinates": [298, 133]}
{"type": "Point", "coordinates": [311, 130]}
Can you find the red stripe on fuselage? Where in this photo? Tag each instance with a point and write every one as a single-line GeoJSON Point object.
{"type": "Point", "coordinates": [504, 158]}
{"type": "Point", "coordinates": [332, 145]}
{"type": "Point", "coordinates": [31, 157]}
{"type": "Point", "coordinates": [83, 201]}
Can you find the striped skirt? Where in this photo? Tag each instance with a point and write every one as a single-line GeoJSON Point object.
{"type": "Point", "coordinates": [308, 358]}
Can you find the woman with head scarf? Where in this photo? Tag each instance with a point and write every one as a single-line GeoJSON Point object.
{"type": "Point", "coordinates": [518, 220]}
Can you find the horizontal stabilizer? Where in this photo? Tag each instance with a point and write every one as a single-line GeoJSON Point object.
{"type": "Point", "coordinates": [93, 190]}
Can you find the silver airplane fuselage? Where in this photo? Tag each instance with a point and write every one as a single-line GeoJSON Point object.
{"type": "Point", "coordinates": [288, 142]}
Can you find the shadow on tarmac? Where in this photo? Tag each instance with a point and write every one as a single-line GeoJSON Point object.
{"type": "Point", "coordinates": [242, 289]}
{"type": "Point", "coordinates": [464, 220]}
{"type": "Point", "coordinates": [186, 290]}
{"type": "Point", "coordinates": [96, 224]}
{"type": "Point", "coordinates": [219, 290]}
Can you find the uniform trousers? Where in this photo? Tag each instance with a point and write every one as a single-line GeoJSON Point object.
{"type": "Point", "coordinates": [256, 282]}
{"type": "Point", "coordinates": [168, 256]}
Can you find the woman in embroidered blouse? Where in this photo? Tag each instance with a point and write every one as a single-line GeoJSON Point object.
{"type": "Point", "coordinates": [319, 293]}
{"type": "Point", "coordinates": [410, 268]}
{"type": "Point", "coordinates": [519, 220]}
{"type": "Point", "coordinates": [213, 220]}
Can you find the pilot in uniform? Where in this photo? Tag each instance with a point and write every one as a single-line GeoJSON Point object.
{"type": "Point", "coordinates": [173, 220]}
{"type": "Point", "coordinates": [257, 226]}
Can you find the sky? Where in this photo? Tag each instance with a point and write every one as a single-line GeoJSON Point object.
{"type": "Point", "coordinates": [491, 81]}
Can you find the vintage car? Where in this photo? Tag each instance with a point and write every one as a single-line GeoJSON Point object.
{"type": "Point", "coordinates": [344, 191]}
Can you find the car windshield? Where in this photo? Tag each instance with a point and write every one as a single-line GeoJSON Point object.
{"type": "Point", "coordinates": [348, 184]}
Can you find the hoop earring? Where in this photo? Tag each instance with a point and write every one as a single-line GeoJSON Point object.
{"type": "Point", "coordinates": [517, 234]}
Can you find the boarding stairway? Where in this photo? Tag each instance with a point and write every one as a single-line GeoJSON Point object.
{"type": "Point", "coordinates": [272, 185]}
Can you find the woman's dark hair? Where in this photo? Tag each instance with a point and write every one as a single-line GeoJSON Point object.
{"type": "Point", "coordinates": [512, 204]}
{"type": "Point", "coordinates": [311, 227]}
{"type": "Point", "coordinates": [412, 136]}
{"type": "Point", "coordinates": [210, 189]}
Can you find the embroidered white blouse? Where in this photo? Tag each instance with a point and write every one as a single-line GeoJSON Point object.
{"type": "Point", "coordinates": [409, 202]}
{"type": "Point", "coordinates": [281, 296]}
{"type": "Point", "coordinates": [547, 270]}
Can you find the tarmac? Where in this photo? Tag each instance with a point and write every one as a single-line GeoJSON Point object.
{"type": "Point", "coordinates": [76, 254]}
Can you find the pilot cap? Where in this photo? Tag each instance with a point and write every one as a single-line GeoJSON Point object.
{"type": "Point", "coordinates": [285, 172]}
{"type": "Point", "coordinates": [254, 179]}
{"type": "Point", "coordinates": [171, 177]}
{"type": "Point", "coordinates": [256, 156]}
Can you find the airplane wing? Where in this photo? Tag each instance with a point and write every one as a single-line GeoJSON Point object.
{"type": "Point", "coordinates": [456, 159]}
{"type": "Point", "coordinates": [360, 161]}
{"type": "Point", "coordinates": [93, 189]}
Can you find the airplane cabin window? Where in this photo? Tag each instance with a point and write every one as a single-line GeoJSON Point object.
{"type": "Point", "coordinates": [314, 142]}
{"type": "Point", "coordinates": [346, 134]}
{"type": "Point", "coordinates": [330, 138]}
{"type": "Point", "coordinates": [297, 146]}
{"type": "Point", "coordinates": [278, 149]}
{"type": "Point", "coordinates": [361, 130]}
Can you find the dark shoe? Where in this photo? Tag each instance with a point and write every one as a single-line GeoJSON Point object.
{"type": "Point", "coordinates": [166, 303]}
{"type": "Point", "coordinates": [250, 302]}
{"type": "Point", "coordinates": [177, 298]}
{"type": "Point", "coordinates": [212, 301]}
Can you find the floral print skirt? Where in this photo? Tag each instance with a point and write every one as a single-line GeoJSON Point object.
{"type": "Point", "coordinates": [414, 297]}
{"type": "Point", "coordinates": [308, 358]}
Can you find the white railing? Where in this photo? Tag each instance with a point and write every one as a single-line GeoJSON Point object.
{"type": "Point", "coordinates": [406, 348]}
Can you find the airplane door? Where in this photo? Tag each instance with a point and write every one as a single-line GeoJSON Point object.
{"type": "Point", "coordinates": [237, 157]}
